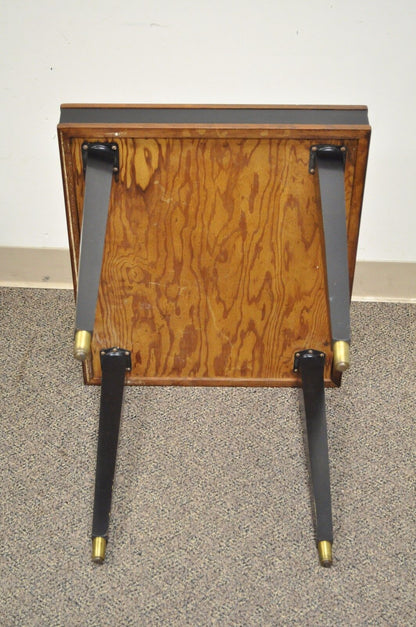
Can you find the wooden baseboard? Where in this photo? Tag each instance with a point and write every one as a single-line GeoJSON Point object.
{"type": "Point", "coordinates": [35, 267]}
{"type": "Point", "coordinates": [387, 281]}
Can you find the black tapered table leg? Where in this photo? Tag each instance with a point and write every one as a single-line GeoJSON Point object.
{"type": "Point", "coordinates": [100, 166]}
{"type": "Point", "coordinates": [328, 162]}
{"type": "Point", "coordinates": [114, 363]}
{"type": "Point", "coordinates": [310, 365]}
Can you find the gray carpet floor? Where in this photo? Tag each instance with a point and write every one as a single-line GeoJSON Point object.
{"type": "Point", "coordinates": [211, 518]}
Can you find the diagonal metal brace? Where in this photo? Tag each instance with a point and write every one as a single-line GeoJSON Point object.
{"type": "Point", "coordinates": [100, 164]}
{"type": "Point", "coordinates": [328, 162]}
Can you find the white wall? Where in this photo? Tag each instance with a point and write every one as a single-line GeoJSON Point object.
{"type": "Point", "coordinates": [200, 51]}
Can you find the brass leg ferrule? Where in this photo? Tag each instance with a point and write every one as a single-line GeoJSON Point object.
{"type": "Point", "coordinates": [82, 345]}
{"type": "Point", "coordinates": [325, 553]}
{"type": "Point", "coordinates": [99, 546]}
{"type": "Point", "coordinates": [341, 355]}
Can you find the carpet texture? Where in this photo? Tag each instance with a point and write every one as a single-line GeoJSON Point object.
{"type": "Point", "coordinates": [211, 518]}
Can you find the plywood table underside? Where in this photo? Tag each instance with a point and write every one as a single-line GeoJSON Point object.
{"type": "Point", "coordinates": [213, 270]}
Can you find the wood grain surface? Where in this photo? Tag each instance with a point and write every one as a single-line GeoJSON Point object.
{"type": "Point", "coordinates": [213, 270]}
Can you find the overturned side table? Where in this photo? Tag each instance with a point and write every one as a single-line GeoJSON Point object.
{"type": "Point", "coordinates": [213, 245]}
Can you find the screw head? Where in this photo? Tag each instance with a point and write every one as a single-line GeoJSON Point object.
{"type": "Point", "coordinates": [314, 148]}
{"type": "Point", "coordinates": [114, 147]}
{"type": "Point", "coordinates": [115, 169]}
{"type": "Point", "coordinates": [312, 170]}
{"type": "Point", "coordinates": [343, 149]}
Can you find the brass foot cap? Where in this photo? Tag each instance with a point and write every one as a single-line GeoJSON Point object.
{"type": "Point", "coordinates": [82, 345]}
{"type": "Point", "coordinates": [341, 355]}
{"type": "Point", "coordinates": [98, 549]}
{"type": "Point", "coordinates": [325, 553]}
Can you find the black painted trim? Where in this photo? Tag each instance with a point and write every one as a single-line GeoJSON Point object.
{"type": "Point", "coordinates": [215, 116]}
